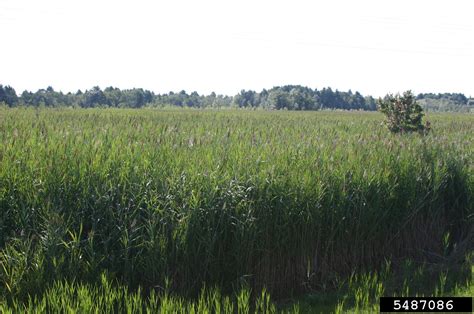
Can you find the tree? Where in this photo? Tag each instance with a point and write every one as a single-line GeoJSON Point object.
{"type": "Point", "coordinates": [301, 99]}
{"type": "Point", "coordinates": [245, 98]}
{"type": "Point", "coordinates": [327, 98]}
{"type": "Point", "coordinates": [403, 113]}
{"type": "Point", "coordinates": [278, 99]}
{"type": "Point", "coordinates": [8, 95]}
{"type": "Point", "coordinates": [94, 98]}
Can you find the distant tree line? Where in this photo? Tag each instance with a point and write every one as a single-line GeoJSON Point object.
{"type": "Point", "coordinates": [296, 97]}
{"type": "Point", "coordinates": [446, 102]}
{"type": "Point", "coordinates": [289, 97]}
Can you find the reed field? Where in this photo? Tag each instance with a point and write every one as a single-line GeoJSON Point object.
{"type": "Point", "coordinates": [196, 211]}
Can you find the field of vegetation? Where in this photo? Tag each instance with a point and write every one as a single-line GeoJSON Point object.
{"type": "Point", "coordinates": [213, 211]}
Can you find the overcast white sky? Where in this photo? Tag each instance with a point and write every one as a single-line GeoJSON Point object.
{"type": "Point", "coordinates": [373, 46]}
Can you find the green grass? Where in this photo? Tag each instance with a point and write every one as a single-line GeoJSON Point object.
{"type": "Point", "coordinates": [109, 297]}
{"type": "Point", "coordinates": [360, 293]}
{"type": "Point", "coordinates": [288, 201]}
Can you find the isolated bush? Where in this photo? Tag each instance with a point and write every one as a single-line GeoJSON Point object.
{"type": "Point", "coordinates": [403, 113]}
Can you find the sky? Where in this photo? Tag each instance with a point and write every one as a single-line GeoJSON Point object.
{"type": "Point", "coordinates": [372, 46]}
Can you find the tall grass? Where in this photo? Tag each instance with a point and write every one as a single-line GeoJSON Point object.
{"type": "Point", "coordinates": [108, 297]}
{"type": "Point", "coordinates": [287, 201]}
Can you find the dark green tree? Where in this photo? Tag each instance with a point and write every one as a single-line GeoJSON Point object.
{"type": "Point", "coordinates": [8, 95]}
{"type": "Point", "coordinates": [278, 99]}
{"type": "Point", "coordinates": [94, 97]}
{"type": "Point", "coordinates": [403, 113]}
{"type": "Point", "coordinates": [300, 99]}
{"type": "Point", "coordinates": [245, 98]}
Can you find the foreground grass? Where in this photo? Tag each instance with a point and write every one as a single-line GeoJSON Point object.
{"type": "Point", "coordinates": [361, 293]}
{"type": "Point", "coordinates": [107, 297]}
{"type": "Point", "coordinates": [294, 202]}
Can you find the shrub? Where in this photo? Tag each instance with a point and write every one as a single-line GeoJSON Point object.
{"type": "Point", "coordinates": [403, 113]}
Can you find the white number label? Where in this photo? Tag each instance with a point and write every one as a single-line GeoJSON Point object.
{"type": "Point", "coordinates": [396, 305]}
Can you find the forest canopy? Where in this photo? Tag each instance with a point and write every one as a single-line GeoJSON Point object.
{"type": "Point", "coordinates": [288, 97]}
